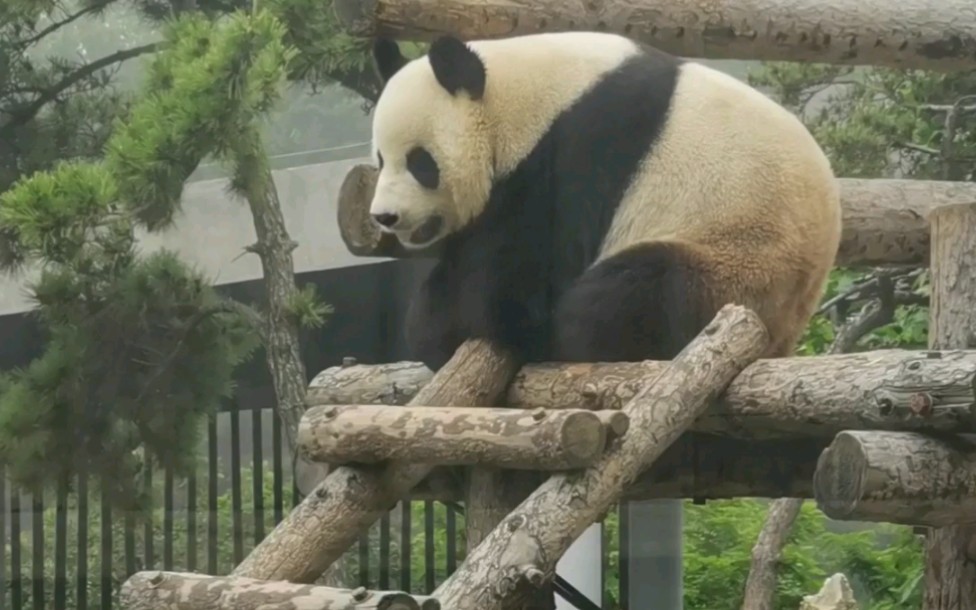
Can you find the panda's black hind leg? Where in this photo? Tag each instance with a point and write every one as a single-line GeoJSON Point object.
{"type": "Point", "coordinates": [644, 303]}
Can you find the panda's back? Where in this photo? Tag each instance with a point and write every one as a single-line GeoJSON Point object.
{"type": "Point", "coordinates": [728, 162]}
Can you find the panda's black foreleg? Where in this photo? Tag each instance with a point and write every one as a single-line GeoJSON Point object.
{"type": "Point", "coordinates": [431, 324]}
{"type": "Point", "coordinates": [644, 303]}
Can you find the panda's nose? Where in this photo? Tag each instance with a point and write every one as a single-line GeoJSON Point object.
{"type": "Point", "coordinates": [387, 219]}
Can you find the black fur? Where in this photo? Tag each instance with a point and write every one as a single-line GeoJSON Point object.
{"type": "Point", "coordinates": [644, 303]}
{"type": "Point", "coordinates": [457, 67]}
{"type": "Point", "coordinates": [502, 276]}
{"type": "Point", "coordinates": [387, 58]}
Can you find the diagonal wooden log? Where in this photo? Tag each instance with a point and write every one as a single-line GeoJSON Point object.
{"type": "Point", "coordinates": [809, 396]}
{"type": "Point", "coordinates": [897, 477]}
{"type": "Point", "coordinates": [329, 520]}
{"type": "Point", "coordinates": [523, 550]}
{"type": "Point", "coordinates": [189, 591]}
{"type": "Point", "coordinates": [911, 33]}
{"type": "Point", "coordinates": [885, 221]}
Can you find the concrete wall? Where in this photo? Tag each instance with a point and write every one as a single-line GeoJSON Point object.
{"type": "Point", "coordinates": [215, 226]}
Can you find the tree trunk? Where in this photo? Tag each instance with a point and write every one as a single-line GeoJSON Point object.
{"type": "Point", "coordinates": [767, 552]}
{"type": "Point", "coordinates": [525, 547]}
{"type": "Point", "coordinates": [795, 397]}
{"type": "Point", "coordinates": [885, 222]}
{"type": "Point", "coordinates": [950, 552]}
{"type": "Point", "coordinates": [274, 247]}
{"type": "Point", "coordinates": [329, 520]}
{"type": "Point", "coordinates": [914, 33]}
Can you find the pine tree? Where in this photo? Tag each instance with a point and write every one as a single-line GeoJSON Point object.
{"type": "Point", "coordinates": [140, 348]}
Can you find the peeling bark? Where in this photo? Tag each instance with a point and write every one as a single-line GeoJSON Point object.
{"type": "Point", "coordinates": [541, 439]}
{"type": "Point", "coordinates": [816, 396]}
{"type": "Point", "coordinates": [329, 520]}
{"type": "Point", "coordinates": [913, 33]}
{"type": "Point", "coordinates": [525, 547]}
{"type": "Point", "coordinates": [190, 591]}
{"type": "Point", "coordinates": [897, 477]}
{"type": "Point", "coordinates": [885, 222]}
{"type": "Point", "coordinates": [950, 552]}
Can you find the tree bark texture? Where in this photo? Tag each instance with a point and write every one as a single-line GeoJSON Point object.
{"type": "Point", "coordinates": [914, 33]}
{"type": "Point", "coordinates": [809, 396]}
{"type": "Point", "coordinates": [529, 542]}
{"type": "Point", "coordinates": [885, 222]}
{"type": "Point", "coordinates": [950, 552]}
{"type": "Point", "coordinates": [191, 591]}
{"type": "Point", "coordinates": [274, 247]}
{"type": "Point", "coordinates": [541, 439]}
{"type": "Point", "coordinates": [329, 520]}
{"type": "Point", "coordinates": [898, 477]}
{"type": "Point", "coordinates": [768, 552]}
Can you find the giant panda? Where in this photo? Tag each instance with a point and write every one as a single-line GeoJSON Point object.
{"type": "Point", "coordinates": [591, 199]}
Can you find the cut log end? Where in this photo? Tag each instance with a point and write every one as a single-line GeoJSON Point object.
{"type": "Point", "coordinates": [583, 438]}
{"type": "Point", "coordinates": [839, 477]}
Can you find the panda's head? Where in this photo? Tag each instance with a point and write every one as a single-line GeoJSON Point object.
{"type": "Point", "coordinates": [431, 142]}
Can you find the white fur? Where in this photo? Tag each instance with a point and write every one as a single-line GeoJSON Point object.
{"type": "Point", "coordinates": [476, 142]}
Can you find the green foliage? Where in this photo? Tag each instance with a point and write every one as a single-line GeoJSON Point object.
{"type": "Point", "coordinates": [139, 348]}
{"type": "Point", "coordinates": [307, 309]}
{"type": "Point", "coordinates": [205, 91]}
{"type": "Point", "coordinates": [882, 562]}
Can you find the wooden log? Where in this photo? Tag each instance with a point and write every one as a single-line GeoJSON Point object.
{"type": "Point", "coordinates": [897, 477]}
{"type": "Point", "coordinates": [914, 33]}
{"type": "Point", "coordinates": [152, 590]}
{"type": "Point", "coordinates": [950, 552]}
{"type": "Point", "coordinates": [329, 520]}
{"type": "Point", "coordinates": [815, 396]}
{"type": "Point", "coordinates": [527, 544]}
{"type": "Point", "coordinates": [541, 439]}
{"type": "Point", "coordinates": [885, 221]}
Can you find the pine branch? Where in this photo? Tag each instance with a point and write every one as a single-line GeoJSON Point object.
{"type": "Point", "coordinates": [94, 8]}
{"type": "Point", "coordinates": [24, 115]}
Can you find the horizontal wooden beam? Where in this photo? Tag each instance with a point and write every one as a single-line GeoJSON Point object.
{"type": "Point", "coordinates": [885, 221]}
{"type": "Point", "coordinates": [809, 396]}
{"type": "Point", "coordinates": [898, 477]}
{"type": "Point", "coordinates": [911, 33]}
{"type": "Point", "coordinates": [152, 590]}
{"type": "Point", "coordinates": [541, 439]}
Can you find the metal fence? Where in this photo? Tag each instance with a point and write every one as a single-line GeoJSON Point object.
{"type": "Point", "coordinates": [70, 550]}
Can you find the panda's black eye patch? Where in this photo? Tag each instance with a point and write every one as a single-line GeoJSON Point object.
{"type": "Point", "coordinates": [423, 167]}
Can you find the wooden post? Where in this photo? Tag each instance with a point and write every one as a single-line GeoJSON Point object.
{"type": "Point", "coordinates": [910, 33]}
{"type": "Point", "coordinates": [950, 552]}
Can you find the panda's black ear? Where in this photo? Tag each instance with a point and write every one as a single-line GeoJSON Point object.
{"type": "Point", "coordinates": [457, 67]}
{"type": "Point", "coordinates": [388, 58]}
